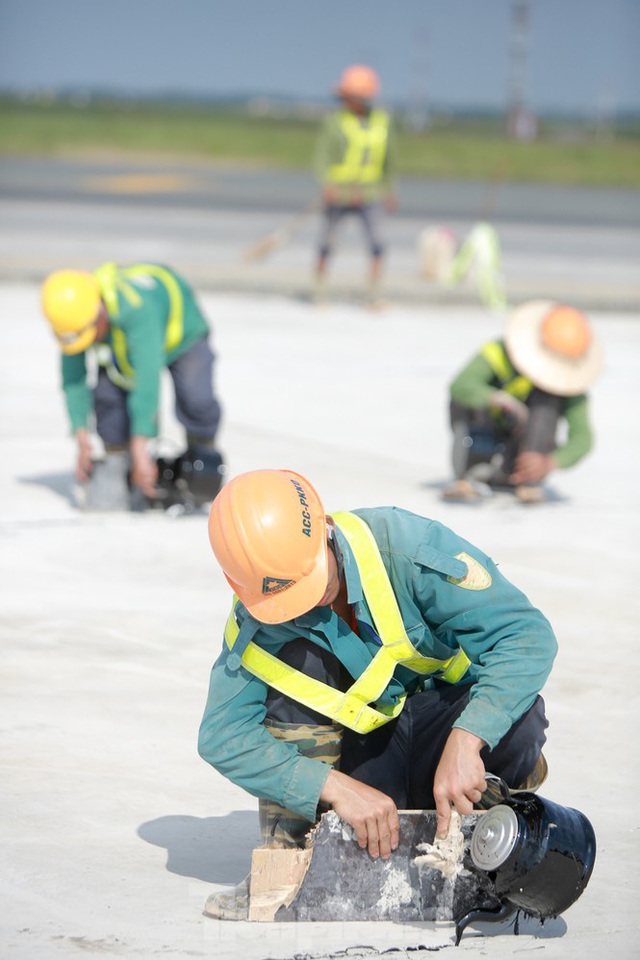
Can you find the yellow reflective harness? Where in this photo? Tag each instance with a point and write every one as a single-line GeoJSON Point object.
{"type": "Point", "coordinates": [366, 148]}
{"type": "Point", "coordinates": [352, 708]}
{"type": "Point", "coordinates": [513, 383]}
{"type": "Point", "coordinates": [113, 281]}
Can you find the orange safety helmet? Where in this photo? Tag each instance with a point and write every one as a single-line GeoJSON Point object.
{"type": "Point", "coordinates": [358, 81]}
{"type": "Point", "coordinates": [566, 331]}
{"type": "Point", "coordinates": [268, 532]}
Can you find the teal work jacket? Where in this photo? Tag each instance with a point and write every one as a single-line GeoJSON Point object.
{"type": "Point", "coordinates": [450, 595]}
{"type": "Point", "coordinates": [144, 326]}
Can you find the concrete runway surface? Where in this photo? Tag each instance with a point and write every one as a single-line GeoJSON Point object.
{"type": "Point", "coordinates": [113, 830]}
{"type": "Point", "coordinates": [568, 243]}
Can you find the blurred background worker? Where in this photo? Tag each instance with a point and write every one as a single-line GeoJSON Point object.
{"type": "Point", "coordinates": [354, 165]}
{"type": "Point", "coordinates": [508, 402]}
{"type": "Point", "coordinates": [118, 328]}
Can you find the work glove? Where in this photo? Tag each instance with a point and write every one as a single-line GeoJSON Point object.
{"type": "Point", "coordinates": [514, 409]}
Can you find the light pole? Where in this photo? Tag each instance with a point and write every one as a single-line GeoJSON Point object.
{"type": "Point", "coordinates": [521, 124]}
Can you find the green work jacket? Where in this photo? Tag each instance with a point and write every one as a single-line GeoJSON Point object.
{"type": "Point", "coordinates": [446, 602]}
{"type": "Point", "coordinates": [141, 323]}
{"type": "Point", "coordinates": [475, 383]}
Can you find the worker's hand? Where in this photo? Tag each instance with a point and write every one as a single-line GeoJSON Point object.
{"type": "Point", "coordinates": [514, 408]}
{"type": "Point", "coordinates": [144, 470]}
{"type": "Point", "coordinates": [371, 813]}
{"type": "Point", "coordinates": [459, 781]}
{"type": "Point", "coordinates": [391, 203]}
{"type": "Point", "coordinates": [531, 467]}
{"type": "Point", "coordinates": [330, 195]}
{"type": "Point", "coordinates": [84, 461]}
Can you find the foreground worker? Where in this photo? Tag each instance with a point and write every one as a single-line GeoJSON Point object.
{"type": "Point", "coordinates": [372, 661]}
{"type": "Point", "coordinates": [510, 401]}
{"type": "Point", "coordinates": [140, 319]}
{"type": "Point", "coordinates": [354, 165]}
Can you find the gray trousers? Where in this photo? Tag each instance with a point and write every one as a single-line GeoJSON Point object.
{"type": "Point", "coordinates": [401, 757]}
{"type": "Point", "coordinates": [196, 405]}
{"type": "Point", "coordinates": [369, 214]}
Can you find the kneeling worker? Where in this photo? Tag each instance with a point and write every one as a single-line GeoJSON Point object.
{"type": "Point", "coordinates": [372, 661]}
{"type": "Point", "coordinates": [140, 319]}
{"type": "Point", "coordinates": [508, 402]}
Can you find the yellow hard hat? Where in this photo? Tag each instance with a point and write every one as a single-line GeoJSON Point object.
{"type": "Point", "coordinates": [71, 303]}
{"type": "Point", "coordinates": [358, 81]}
{"type": "Point", "coordinates": [267, 530]}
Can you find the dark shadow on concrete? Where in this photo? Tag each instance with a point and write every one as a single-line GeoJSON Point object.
{"type": "Point", "coordinates": [501, 495]}
{"type": "Point", "coordinates": [62, 484]}
{"type": "Point", "coordinates": [550, 929]}
{"type": "Point", "coordinates": [214, 849]}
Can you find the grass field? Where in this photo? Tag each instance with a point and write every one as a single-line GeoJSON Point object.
{"type": "Point", "coordinates": [457, 150]}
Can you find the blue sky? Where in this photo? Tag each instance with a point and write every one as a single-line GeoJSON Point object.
{"type": "Point", "coordinates": [582, 54]}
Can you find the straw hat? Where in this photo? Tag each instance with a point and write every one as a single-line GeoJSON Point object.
{"type": "Point", "coordinates": [553, 346]}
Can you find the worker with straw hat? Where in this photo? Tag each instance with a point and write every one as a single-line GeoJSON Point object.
{"type": "Point", "coordinates": [509, 402]}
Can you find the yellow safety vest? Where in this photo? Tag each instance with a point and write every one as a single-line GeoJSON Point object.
{"type": "Point", "coordinates": [364, 157]}
{"type": "Point", "coordinates": [512, 382]}
{"type": "Point", "coordinates": [353, 708]}
{"type": "Point", "coordinates": [113, 281]}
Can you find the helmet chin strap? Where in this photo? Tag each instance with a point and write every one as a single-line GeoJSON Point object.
{"type": "Point", "coordinates": [334, 546]}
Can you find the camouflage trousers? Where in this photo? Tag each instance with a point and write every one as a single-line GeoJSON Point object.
{"type": "Point", "coordinates": [282, 827]}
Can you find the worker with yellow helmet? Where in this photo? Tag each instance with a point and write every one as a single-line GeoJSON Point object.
{"type": "Point", "coordinates": [372, 660]}
{"type": "Point", "coordinates": [511, 399]}
{"type": "Point", "coordinates": [136, 321]}
{"type": "Point", "coordinates": [354, 166]}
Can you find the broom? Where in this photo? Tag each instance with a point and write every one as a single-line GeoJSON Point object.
{"type": "Point", "coordinates": [279, 238]}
